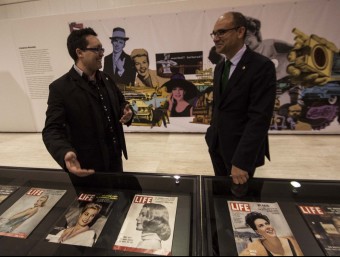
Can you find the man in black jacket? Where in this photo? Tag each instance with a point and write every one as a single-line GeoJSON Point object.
{"type": "Point", "coordinates": [83, 129]}
{"type": "Point", "coordinates": [244, 96]}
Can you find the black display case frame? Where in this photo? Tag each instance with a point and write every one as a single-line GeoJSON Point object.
{"type": "Point", "coordinates": [218, 229]}
{"type": "Point", "coordinates": [187, 231]}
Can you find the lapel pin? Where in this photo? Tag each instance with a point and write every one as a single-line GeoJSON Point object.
{"type": "Point", "coordinates": [244, 67]}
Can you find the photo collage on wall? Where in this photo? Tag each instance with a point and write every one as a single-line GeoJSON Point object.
{"type": "Point", "coordinates": [173, 90]}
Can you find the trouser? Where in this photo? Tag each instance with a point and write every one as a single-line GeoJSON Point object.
{"type": "Point", "coordinates": [221, 167]}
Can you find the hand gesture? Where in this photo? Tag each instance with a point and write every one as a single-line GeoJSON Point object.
{"type": "Point", "coordinates": [171, 102]}
{"type": "Point", "coordinates": [120, 65]}
{"type": "Point", "coordinates": [127, 114]}
{"type": "Point", "coordinates": [73, 165]}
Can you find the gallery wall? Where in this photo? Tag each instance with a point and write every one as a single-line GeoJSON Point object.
{"type": "Point", "coordinates": [34, 53]}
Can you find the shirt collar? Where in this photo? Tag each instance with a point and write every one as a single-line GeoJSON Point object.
{"type": "Point", "coordinates": [79, 71]}
{"type": "Point", "coordinates": [237, 57]}
{"type": "Point", "coordinates": [83, 75]}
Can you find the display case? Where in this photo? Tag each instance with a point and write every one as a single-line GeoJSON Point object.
{"type": "Point", "coordinates": [121, 188]}
{"type": "Point", "coordinates": [303, 204]}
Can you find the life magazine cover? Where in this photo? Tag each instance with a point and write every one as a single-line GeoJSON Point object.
{"type": "Point", "coordinates": [148, 226]}
{"type": "Point", "coordinates": [260, 229]}
{"type": "Point", "coordinates": [6, 191]}
{"type": "Point", "coordinates": [84, 220]}
{"type": "Point", "coordinates": [324, 221]}
{"type": "Point", "coordinates": [26, 213]}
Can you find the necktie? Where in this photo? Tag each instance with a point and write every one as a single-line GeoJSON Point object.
{"type": "Point", "coordinates": [225, 75]}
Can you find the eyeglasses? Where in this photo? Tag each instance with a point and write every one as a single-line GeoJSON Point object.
{"type": "Point", "coordinates": [95, 49]}
{"type": "Point", "coordinates": [219, 33]}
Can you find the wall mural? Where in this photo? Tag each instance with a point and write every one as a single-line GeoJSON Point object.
{"type": "Point", "coordinates": [177, 86]}
{"type": "Point", "coordinates": [164, 64]}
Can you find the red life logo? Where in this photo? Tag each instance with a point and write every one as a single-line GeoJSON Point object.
{"type": "Point", "coordinates": [86, 197]}
{"type": "Point", "coordinates": [311, 210]}
{"type": "Point", "coordinates": [35, 192]}
{"type": "Point", "coordinates": [240, 207]}
{"type": "Point", "coordinates": [142, 199]}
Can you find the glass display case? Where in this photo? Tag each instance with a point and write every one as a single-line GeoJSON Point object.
{"type": "Point", "coordinates": [118, 192]}
{"type": "Point", "coordinates": [309, 208]}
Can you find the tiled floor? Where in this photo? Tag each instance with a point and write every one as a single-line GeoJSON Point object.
{"type": "Point", "coordinates": [293, 156]}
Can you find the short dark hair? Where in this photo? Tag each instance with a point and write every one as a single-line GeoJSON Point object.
{"type": "Point", "coordinates": [77, 39]}
{"type": "Point", "coordinates": [251, 217]}
{"type": "Point", "coordinates": [240, 21]}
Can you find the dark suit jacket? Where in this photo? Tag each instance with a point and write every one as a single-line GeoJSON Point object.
{"type": "Point", "coordinates": [129, 75]}
{"type": "Point", "coordinates": [242, 114]}
{"type": "Point", "coordinates": [74, 120]}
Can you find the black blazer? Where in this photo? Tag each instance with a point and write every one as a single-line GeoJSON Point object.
{"type": "Point", "coordinates": [129, 75]}
{"type": "Point", "coordinates": [74, 120]}
{"type": "Point", "coordinates": [242, 114]}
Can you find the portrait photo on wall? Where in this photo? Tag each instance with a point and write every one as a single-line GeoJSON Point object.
{"type": "Point", "coordinates": [180, 62]}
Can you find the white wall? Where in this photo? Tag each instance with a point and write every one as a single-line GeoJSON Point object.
{"type": "Point", "coordinates": [117, 8]}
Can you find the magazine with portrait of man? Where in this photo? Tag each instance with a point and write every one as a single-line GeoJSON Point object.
{"type": "Point", "coordinates": [260, 229]}
{"type": "Point", "coordinates": [148, 226]}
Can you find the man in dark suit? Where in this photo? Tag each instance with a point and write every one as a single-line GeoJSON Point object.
{"type": "Point", "coordinates": [118, 64]}
{"type": "Point", "coordinates": [83, 129]}
{"type": "Point", "coordinates": [244, 96]}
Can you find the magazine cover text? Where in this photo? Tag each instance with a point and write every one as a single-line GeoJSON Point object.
{"type": "Point", "coordinates": [260, 229]}
{"type": "Point", "coordinates": [148, 226]}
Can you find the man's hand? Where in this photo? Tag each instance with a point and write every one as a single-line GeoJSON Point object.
{"type": "Point", "coordinates": [120, 66]}
{"type": "Point", "coordinates": [239, 176]}
{"type": "Point", "coordinates": [73, 165]}
{"type": "Point", "coordinates": [127, 115]}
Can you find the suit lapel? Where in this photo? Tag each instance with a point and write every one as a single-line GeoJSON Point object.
{"type": "Point", "coordinates": [82, 83]}
{"type": "Point", "coordinates": [239, 72]}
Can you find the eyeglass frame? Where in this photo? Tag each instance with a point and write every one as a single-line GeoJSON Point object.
{"type": "Point", "coordinates": [95, 49]}
{"type": "Point", "coordinates": [221, 32]}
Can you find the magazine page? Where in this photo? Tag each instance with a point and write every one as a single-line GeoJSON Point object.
{"type": "Point", "coordinates": [324, 221]}
{"type": "Point", "coordinates": [6, 191]}
{"type": "Point", "coordinates": [260, 229]}
{"type": "Point", "coordinates": [26, 213]}
{"type": "Point", "coordinates": [149, 225]}
{"type": "Point", "coordinates": [84, 220]}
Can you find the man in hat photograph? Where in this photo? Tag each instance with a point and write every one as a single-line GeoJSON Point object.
{"type": "Point", "coordinates": [118, 64]}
